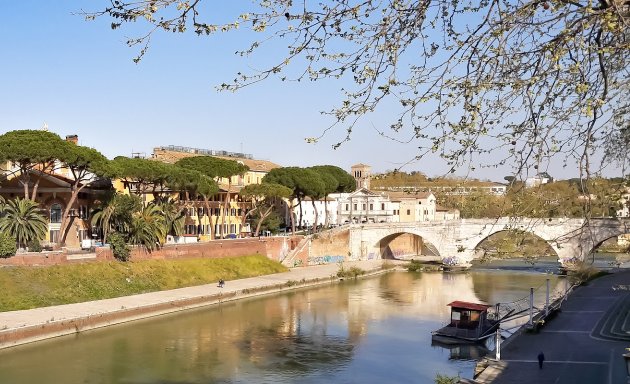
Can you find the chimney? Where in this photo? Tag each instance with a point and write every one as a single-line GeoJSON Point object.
{"type": "Point", "coordinates": [74, 139]}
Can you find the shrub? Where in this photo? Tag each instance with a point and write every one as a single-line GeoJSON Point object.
{"type": "Point", "coordinates": [443, 379]}
{"type": "Point", "coordinates": [352, 272]}
{"type": "Point", "coordinates": [119, 246]}
{"type": "Point", "coordinates": [34, 246]}
{"type": "Point", "coordinates": [8, 246]}
{"type": "Point", "coordinates": [415, 266]}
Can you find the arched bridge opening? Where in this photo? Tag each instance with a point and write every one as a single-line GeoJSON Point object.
{"type": "Point", "coordinates": [612, 252]}
{"type": "Point", "coordinates": [406, 246]}
{"type": "Point", "coordinates": [512, 246]}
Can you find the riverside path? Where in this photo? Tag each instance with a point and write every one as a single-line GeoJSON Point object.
{"type": "Point", "coordinates": [583, 344]}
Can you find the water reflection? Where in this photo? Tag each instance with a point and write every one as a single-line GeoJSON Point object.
{"type": "Point", "coordinates": [371, 331]}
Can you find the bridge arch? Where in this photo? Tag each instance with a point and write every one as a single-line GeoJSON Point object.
{"type": "Point", "coordinates": [517, 240]}
{"type": "Point", "coordinates": [404, 244]}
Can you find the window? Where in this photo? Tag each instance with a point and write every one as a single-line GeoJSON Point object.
{"type": "Point", "coordinates": [409, 211]}
{"type": "Point", "coordinates": [232, 228]}
{"type": "Point", "coordinates": [371, 207]}
{"type": "Point", "coordinates": [363, 207]}
{"type": "Point", "coordinates": [347, 207]}
{"type": "Point", "coordinates": [55, 214]}
{"type": "Point", "coordinates": [233, 212]}
{"type": "Point", "coordinates": [382, 206]}
{"type": "Point", "coordinates": [355, 207]}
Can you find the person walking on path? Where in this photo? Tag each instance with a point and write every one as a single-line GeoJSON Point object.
{"type": "Point", "coordinates": [541, 358]}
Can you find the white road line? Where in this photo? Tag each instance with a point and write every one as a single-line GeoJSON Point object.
{"type": "Point", "coordinates": [558, 362]}
{"type": "Point", "coordinates": [583, 311]}
{"type": "Point", "coordinates": [547, 331]}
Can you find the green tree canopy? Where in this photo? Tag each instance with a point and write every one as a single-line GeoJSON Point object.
{"type": "Point", "coordinates": [264, 197]}
{"type": "Point", "coordinates": [30, 149]}
{"type": "Point", "coordinates": [143, 175]}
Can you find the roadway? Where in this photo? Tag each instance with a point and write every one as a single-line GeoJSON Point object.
{"type": "Point", "coordinates": [584, 343]}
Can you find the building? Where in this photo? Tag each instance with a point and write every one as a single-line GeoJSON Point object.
{"type": "Point", "coordinates": [413, 206]}
{"type": "Point", "coordinates": [198, 219]}
{"type": "Point", "coordinates": [366, 206]}
{"type": "Point", "coordinates": [539, 179]}
{"type": "Point", "coordinates": [624, 204]}
{"type": "Point", "coordinates": [53, 190]}
{"type": "Point", "coordinates": [362, 174]}
{"type": "Point", "coordinates": [53, 195]}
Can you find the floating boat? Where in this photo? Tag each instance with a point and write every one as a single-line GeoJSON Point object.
{"type": "Point", "coordinates": [470, 323]}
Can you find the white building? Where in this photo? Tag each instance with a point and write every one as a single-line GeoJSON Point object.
{"type": "Point", "coordinates": [624, 204]}
{"type": "Point", "coordinates": [539, 179]}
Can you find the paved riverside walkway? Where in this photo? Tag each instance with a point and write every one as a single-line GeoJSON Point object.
{"type": "Point", "coordinates": [584, 343]}
{"type": "Point", "coordinates": [19, 327]}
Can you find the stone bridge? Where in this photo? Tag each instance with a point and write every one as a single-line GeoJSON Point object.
{"type": "Point", "coordinates": [456, 240]}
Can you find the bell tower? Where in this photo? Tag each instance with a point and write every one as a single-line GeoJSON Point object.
{"type": "Point", "coordinates": [362, 174]}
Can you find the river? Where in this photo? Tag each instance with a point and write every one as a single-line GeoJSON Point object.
{"type": "Point", "coordinates": [375, 330]}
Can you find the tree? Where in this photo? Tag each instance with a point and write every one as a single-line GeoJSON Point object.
{"type": "Point", "coordinates": [86, 166]}
{"type": "Point", "coordinates": [343, 182]}
{"type": "Point", "coordinates": [148, 227]}
{"type": "Point", "coordinates": [115, 214]}
{"type": "Point", "coordinates": [527, 80]}
{"type": "Point", "coordinates": [23, 221]}
{"type": "Point", "coordinates": [33, 153]}
{"type": "Point", "coordinates": [174, 216]}
{"type": "Point", "coordinates": [264, 198]}
{"type": "Point", "coordinates": [216, 168]}
{"type": "Point", "coordinates": [142, 176]}
{"type": "Point", "coordinates": [327, 184]}
{"type": "Point", "coordinates": [300, 180]}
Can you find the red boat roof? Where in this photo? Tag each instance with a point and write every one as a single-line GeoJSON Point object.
{"type": "Point", "coordinates": [467, 305]}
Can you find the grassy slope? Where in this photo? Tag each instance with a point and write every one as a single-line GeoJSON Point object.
{"type": "Point", "coordinates": [32, 287]}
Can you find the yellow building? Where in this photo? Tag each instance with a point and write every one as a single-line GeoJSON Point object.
{"type": "Point", "coordinates": [197, 218]}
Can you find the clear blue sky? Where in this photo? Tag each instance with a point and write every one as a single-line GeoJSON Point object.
{"type": "Point", "coordinates": [79, 78]}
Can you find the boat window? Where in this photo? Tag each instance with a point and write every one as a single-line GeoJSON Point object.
{"type": "Point", "coordinates": [455, 315]}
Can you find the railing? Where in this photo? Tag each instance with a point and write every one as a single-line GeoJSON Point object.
{"type": "Point", "coordinates": [210, 152]}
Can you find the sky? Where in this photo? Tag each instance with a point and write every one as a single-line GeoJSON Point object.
{"type": "Point", "coordinates": [78, 77]}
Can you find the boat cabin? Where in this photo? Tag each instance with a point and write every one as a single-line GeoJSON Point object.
{"type": "Point", "coordinates": [469, 323]}
{"type": "Point", "coordinates": [468, 315]}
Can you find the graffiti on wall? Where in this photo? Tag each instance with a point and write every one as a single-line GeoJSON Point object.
{"type": "Point", "coordinates": [284, 250]}
{"type": "Point", "coordinates": [371, 256]}
{"type": "Point", "coordinates": [325, 260]}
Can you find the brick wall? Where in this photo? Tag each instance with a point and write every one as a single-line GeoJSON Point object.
{"type": "Point", "coordinates": [275, 248]}
{"type": "Point", "coordinates": [36, 259]}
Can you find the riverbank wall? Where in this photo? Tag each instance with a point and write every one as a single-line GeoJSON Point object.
{"type": "Point", "coordinates": [275, 248]}
{"type": "Point", "coordinates": [21, 327]}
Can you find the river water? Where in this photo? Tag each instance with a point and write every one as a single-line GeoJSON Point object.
{"type": "Point", "coordinates": [376, 330]}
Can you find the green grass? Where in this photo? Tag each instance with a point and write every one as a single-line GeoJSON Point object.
{"type": "Point", "coordinates": [33, 287]}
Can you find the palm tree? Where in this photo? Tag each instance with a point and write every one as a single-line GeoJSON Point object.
{"type": "Point", "coordinates": [23, 220]}
{"type": "Point", "coordinates": [174, 216]}
{"type": "Point", "coordinates": [116, 214]}
{"type": "Point", "coordinates": [148, 227]}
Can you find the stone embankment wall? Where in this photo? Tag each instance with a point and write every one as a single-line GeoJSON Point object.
{"type": "Point", "coordinates": [333, 247]}
{"type": "Point", "coordinates": [275, 248]}
{"type": "Point", "coordinates": [325, 248]}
